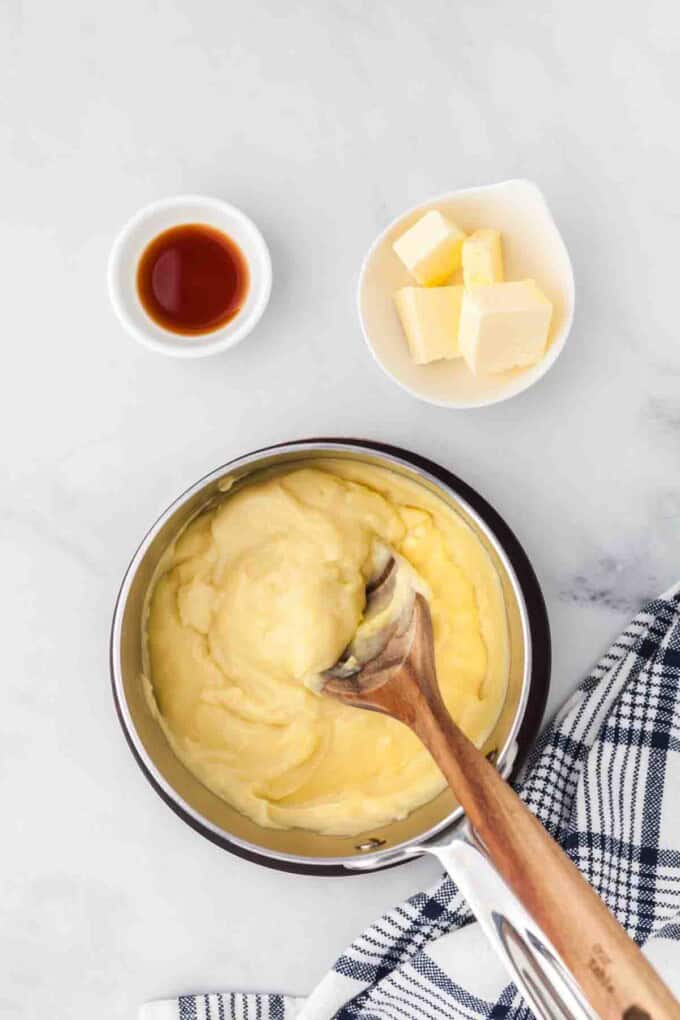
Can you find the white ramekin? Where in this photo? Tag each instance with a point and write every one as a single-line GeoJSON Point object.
{"type": "Point", "coordinates": [147, 224]}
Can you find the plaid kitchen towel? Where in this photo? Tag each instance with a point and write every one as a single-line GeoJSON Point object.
{"type": "Point", "coordinates": [605, 782]}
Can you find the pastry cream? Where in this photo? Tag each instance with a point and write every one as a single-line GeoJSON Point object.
{"type": "Point", "coordinates": [261, 594]}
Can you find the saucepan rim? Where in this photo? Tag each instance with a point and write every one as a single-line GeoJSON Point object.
{"type": "Point", "coordinates": [533, 620]}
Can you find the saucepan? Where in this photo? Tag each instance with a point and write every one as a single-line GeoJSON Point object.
{"type": "Point", "coordinates": [438, 827]}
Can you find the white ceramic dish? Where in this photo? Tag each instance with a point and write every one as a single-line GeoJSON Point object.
{"type": "Point", "coordinates": [533, 247]}
{"type": "Point", "coordinates": [151, 221]}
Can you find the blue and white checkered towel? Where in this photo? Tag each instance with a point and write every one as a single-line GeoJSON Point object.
{"type": "Point", "coordinates": [605, 781]}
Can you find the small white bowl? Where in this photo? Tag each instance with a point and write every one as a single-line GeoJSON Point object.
{"type": "Point", "coordinates": [171, 212]}
{"type": "Point", "coordinates": [532, 247]}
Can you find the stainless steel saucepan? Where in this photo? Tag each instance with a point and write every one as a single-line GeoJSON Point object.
{"type": "Point", "coordinates": [437, 827]}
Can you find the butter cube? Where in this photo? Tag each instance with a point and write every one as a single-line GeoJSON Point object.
{"type": "Point", "coordinates": [482, 259]}
{"type": "Point", "coordinates": [430, 317]}
{"type": "Point", "coordinates": [431, 249]}
{"type": "Point", "coordinates": [504, 326]}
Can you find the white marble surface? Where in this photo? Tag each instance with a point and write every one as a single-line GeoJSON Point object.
{"type": "Point", "coordinates": [322, 120]}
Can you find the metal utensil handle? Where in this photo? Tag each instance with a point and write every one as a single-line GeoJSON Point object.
{"type": "Point", "coordinates": [531, 960]}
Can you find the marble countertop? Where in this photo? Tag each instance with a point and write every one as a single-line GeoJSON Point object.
{"type": "Point", "coordinates": [322, 121]}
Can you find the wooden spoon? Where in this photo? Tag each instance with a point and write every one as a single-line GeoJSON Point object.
{"type": "Point", "coordinates": [399, 680]}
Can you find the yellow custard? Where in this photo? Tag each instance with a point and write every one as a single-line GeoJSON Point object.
{"type": "Point", "coordinates": [261, 594]}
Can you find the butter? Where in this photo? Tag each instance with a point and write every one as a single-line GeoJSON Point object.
{"type": "Point", "coordinates": [431, 249]}
{"type": "Point", "coordinates": [504, 326]}
{"type": "Point", "coordinates": [482, 259]}
{"type": "Point", "coordinates": [430, 317]}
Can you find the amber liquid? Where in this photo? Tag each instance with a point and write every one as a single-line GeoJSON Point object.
{"type": "Point", "coordinates": [192, 279]}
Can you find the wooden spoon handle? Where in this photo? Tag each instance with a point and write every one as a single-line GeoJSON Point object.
{"type": "Point", "coordinates": [611, 971]}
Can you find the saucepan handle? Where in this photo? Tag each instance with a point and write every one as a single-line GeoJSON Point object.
{"type": "Point", "coordinates": [530, 959]}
